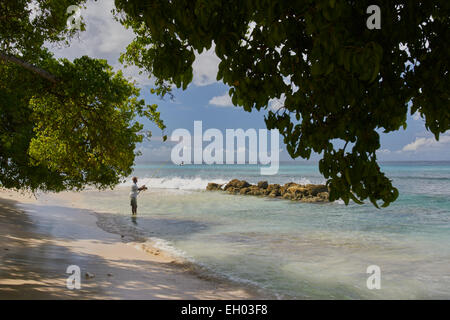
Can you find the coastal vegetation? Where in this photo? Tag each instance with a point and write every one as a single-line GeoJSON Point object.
{"type": "Point", "coordinates": [63, 124]}
{"type": "Point", "coordinates": [339, 84]}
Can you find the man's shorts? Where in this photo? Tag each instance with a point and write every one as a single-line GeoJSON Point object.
{"type": "Point", "coordinates": [133, 202]}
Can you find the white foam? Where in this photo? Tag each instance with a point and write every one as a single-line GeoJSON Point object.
{"type": "Point", "coordinates": [167, 247]}
{"type": "Point", "coordinates": [163, 245]}
{"type": "Point", "coordinates": [195, 183]}
{"type": "Point", "coordinates": [176, 183]}
{"type": "Point", "coordinates": [302, 181]}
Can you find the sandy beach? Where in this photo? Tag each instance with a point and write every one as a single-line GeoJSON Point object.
{"type": "Point", "coordinates": [40, 238]}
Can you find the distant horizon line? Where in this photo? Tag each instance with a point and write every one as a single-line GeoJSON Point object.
{"type": "Point", "coordinates": [294, 161]}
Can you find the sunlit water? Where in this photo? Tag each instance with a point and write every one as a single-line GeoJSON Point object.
{"type": "Point", "coordinates": [295, 250]}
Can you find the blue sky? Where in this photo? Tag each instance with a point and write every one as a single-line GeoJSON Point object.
{"type": "Point", "coordinates": [207, 100]}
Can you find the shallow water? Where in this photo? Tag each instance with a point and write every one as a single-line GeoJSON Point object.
{"type": "Point", "coordinates": [295, 250]}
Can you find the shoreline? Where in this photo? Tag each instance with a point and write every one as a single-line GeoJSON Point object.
{"type": "Point", "coordinates": [40, 239]}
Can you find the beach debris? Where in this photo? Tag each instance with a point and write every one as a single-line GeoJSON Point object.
{"type": "Point", "coordinates": [290, 191]}
{"type": "Point", "coordinates": [110, 275]}
{"type": "Point", "coordinates": [150, 250]}
{"type": "Point", "coordinates": [89, 275]}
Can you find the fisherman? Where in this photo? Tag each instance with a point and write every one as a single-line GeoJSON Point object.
{"type": "Point", "coordinates": [135, 190]}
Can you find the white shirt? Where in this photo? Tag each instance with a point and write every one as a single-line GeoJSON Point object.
{"type": "Point", "coordinates": [134, 191]}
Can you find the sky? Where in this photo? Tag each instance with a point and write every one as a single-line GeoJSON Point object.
{"type": "Point", "coordinates": [207, 100]}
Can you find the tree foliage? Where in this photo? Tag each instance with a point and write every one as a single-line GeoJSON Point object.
{"type": "Point", "coordinates": [340, 80]}
{"type": "Point", "coordinates": [63, 124]}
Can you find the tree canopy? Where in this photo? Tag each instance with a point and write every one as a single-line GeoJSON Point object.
{"type": "Point", "coordinates": [63, 124]}
{"type": "Point", "coordinates": [66, 124]}
{"type": "Point", "coordinates": [340, 80]}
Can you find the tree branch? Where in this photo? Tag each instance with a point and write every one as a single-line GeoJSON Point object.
{"type": "Point", "coordinates": [39, 71]}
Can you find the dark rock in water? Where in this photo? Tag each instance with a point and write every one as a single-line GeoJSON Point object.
{"type": "Point", "coordinates": [323, 196]}
{"type": "Point", "coordinates": [244, 190]}
{"type": "Point", "coordinates": [272, 187]}
{"type": "Point", "coordinates": [290, 191]}
{"type": "Point", "coordinates": [274, 193]}
{"type": "Point", "coordinates": [263, 184]}
{"type": "Point", "coordinates": [295, 191]}
{"type": "Point", "coordinates": [213, 186]}
{"type": "Point", "coordinates": [287, 196]}
{"type": "Point", "coordinates": [232, 190]}
{"type": "Point", "coordinates": [315, 189]}
{"type": "Point", "coordinates": [235, 183]}
{"type": "Point", "coordinates": [255, 191]}
{"type": "Point", "coordinates": [306, 193]}
{"type": "Point", "coordinates": [287, 186]}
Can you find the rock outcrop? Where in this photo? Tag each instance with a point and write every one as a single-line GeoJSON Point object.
{"type": "Point", "coordinates": [263, 184]}
{"type": "Point", "coordinates": [213, 186]}
{"type": "Point", "coordinates": [290, 190]}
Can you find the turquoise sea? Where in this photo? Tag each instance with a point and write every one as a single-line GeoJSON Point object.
{"type": "Point", "coordinates": [290, 249]}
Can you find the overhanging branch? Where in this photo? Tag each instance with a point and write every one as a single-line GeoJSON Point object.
{"type": "Point", "coordinates": [39, 71]}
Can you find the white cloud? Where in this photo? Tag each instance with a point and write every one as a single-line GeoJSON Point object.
{"type": "Point", "coordinates": [225, 101]}
{"type": "Point", "coordinates": [206, 66]}
{"type": "Point", "coordinates": [133, 73]}
{"type": "Point", "coordinates": [154, 153]}
{"type": "Point", "coordinates": [104, 38]}
{"type": "Point", "coordinates": [427, 143]}
{"type": "Point", "coordinates": [277, 104]}
{"type": "Point", "coordinates": [110, 35]}
{"type": "Point", "coordinates": [416, 116]}
{"type": "Point", "coordinates": [222, 101]}
{"type": "Point", "coordinates": [159, 139]}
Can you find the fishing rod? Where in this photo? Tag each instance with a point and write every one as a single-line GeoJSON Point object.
{"type": "Point", "coordinates": [159, 169]}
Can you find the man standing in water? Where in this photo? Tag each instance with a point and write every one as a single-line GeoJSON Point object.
{"type": "Point", "coordinates": [133, 195]}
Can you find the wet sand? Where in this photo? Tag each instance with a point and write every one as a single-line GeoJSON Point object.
{"type": "Point", "coordinates": [39, 239]}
